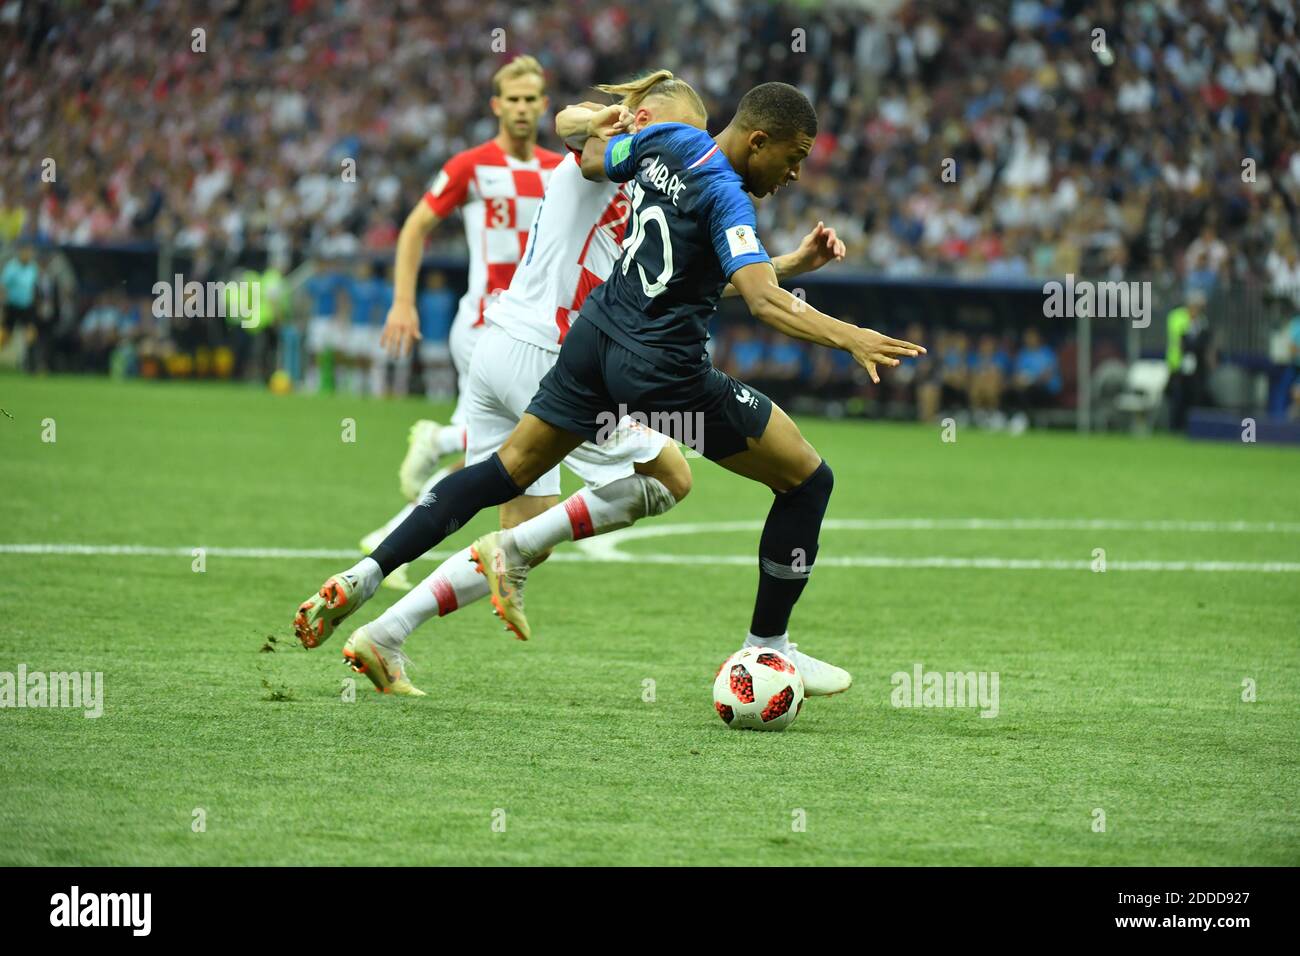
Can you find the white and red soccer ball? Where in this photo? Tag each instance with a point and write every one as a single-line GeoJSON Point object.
{"type": "Point", "coordinates": [757, 689]}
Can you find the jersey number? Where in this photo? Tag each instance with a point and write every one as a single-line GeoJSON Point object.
{"type": "Point", "coordinates": [498, 213]}
{"type": "Point", "coordinates": [640, 219]}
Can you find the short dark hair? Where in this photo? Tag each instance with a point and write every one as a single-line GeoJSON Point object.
{"type": "Point", "coordinates": [779, 110]}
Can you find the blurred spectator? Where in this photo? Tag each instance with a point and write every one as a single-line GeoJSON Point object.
{"type": "Point", "coordinates": [323, 289]}
{"type": "Point", "coordinates": [1206, 258]}
{"type": "Point", "coordinates": [18, 281]}
{"type": "Point", "coordinates": [1289, 386]}
{"type": "Point", "coordinates": [360, 350]}
{"type": "Point", "coordinates": [1284, 272]}
{"type": "Point", "coordinates": [989, 370]}
{"type": "Point", "coordinates": [899, 386]}
{"type": "Point", "coordinates": [955, 369]}
{"type": "Point", "coordinates": [928, 377]}
{"type": "Point", "coordinates": [436, 306]}
{"type": "Point", "coordinates": [1177, 323]}
{"type": "Point", "coordinates": [102, 330]}
{"type": "Point", "coordinates": [1035, 380]}
{"type": "Point", "coordinates": [56, 308]}
{"type": "Point", "coordinates": [745, 352]}
{"type": "Point", "coordinates": [832, 377]}
{"type": "Point", "coordinates": [783, 373]}
{"type": "Point", "coordinates": [1189, 352]}
{"type": "Point", "coordinates": [12, 218]}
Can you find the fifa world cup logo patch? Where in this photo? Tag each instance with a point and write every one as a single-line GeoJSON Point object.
{"type": "Point", "coordinates": [741, 242]}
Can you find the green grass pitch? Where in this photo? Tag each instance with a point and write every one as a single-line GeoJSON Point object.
{"type": "Point", "coordinates": [1119, 692]}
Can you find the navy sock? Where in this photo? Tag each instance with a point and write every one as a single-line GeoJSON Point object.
{"type": "Point", "coordinates": [448, 505]}
{"type": "Point", "coordinates": [787, 550]}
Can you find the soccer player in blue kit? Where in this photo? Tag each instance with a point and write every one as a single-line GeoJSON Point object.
{"type": "Point", "coordinates": [640, 348]}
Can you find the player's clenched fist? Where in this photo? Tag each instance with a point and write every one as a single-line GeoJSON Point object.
{"type": "Point", "coordinates": [401, 329]}
{"type": "Point", "coordinates": [610, 121]}
{"type": "Point", "coordinates": [869, 348]}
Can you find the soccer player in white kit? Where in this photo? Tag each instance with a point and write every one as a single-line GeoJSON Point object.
{"type": "Point", "coordinates": [497, 186]}
{"type": "Point", "coordinates": [574, 242]}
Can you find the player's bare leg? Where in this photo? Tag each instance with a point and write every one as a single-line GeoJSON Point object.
{"type": "Point", "coordinates": [782, 459]}
{"type": "Point", "coordinates": [534, 448]}
{"type": "Point", "coordinates": [506, 557]}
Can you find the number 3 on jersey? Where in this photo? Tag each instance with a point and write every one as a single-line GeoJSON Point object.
{"type": "Point", "coordinates": [641, 218]}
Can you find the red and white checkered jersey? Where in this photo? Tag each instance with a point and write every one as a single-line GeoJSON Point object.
{"type": "Point", "coordinates": [498, 196]}
{"type": "Point", "coordinates": [572, 247]}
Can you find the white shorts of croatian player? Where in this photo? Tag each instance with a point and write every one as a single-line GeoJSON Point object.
{"type": "Point", "coordinates": [325, 333]}
{"type": "Point", "coordinates": [503, 378]}
{"type": "Point", "coordinates": [462, 341]}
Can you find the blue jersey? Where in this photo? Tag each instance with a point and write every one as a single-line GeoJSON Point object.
{"type": "Point", "coordinates": [692, 225]}
{"type": "Point", "coordinates": [1036, 363]}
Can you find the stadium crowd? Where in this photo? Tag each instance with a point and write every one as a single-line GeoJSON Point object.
{"type": "Point", "coordinates": [1074, 151]}
{"type": "Point", "coordinates": [984, 141]}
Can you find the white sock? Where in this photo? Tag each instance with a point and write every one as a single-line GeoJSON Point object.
{"type": "Point", "coordinates": [455, 584]}
{"type": "Point", "coordinates": [451, 438]}
{"type": "Point", "coordinates": [592, 511]}
{"type": "Point", "coordinates": [368, 570]}
{"type": "Point", "coordinates": [778, 643]}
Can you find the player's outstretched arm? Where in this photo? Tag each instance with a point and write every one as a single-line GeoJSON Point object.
{"type": "Point", "coordinates": [787, 313]}
{"type": "Point", "coordinates": [819, 247]}
{"type": "Point", "coordinates": [402, 326]}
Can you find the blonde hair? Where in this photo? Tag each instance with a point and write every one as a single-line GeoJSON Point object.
{"type": "Point", "coordinates": [522, 65]}
{"type": "Point", "coordinates": [659, 83]}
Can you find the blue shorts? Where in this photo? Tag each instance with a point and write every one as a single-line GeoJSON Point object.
{"type": "Point", "coordinates": [596, 382]}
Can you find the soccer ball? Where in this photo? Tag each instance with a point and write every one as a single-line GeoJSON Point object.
{"type": "Point", "coordinates": [757, 689]}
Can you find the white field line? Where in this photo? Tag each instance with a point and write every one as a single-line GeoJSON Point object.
{"type": "Point", "coordinates": [659, 529]}
{"type": "Point", "coordinates": [606, 548]}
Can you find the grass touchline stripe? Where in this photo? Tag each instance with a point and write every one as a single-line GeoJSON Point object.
{"type": "Point", "coordinates": [982, 563]}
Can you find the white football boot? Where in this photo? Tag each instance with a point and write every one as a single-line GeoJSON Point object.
{"type": "Point", "coordinates": [496, 558]}
{"type": "Point", "coordinates": [820, 679]}
{"type": "Point", "coordinates": [384, 665]}
{"type": "Point", "coordinates": [421, 457]}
